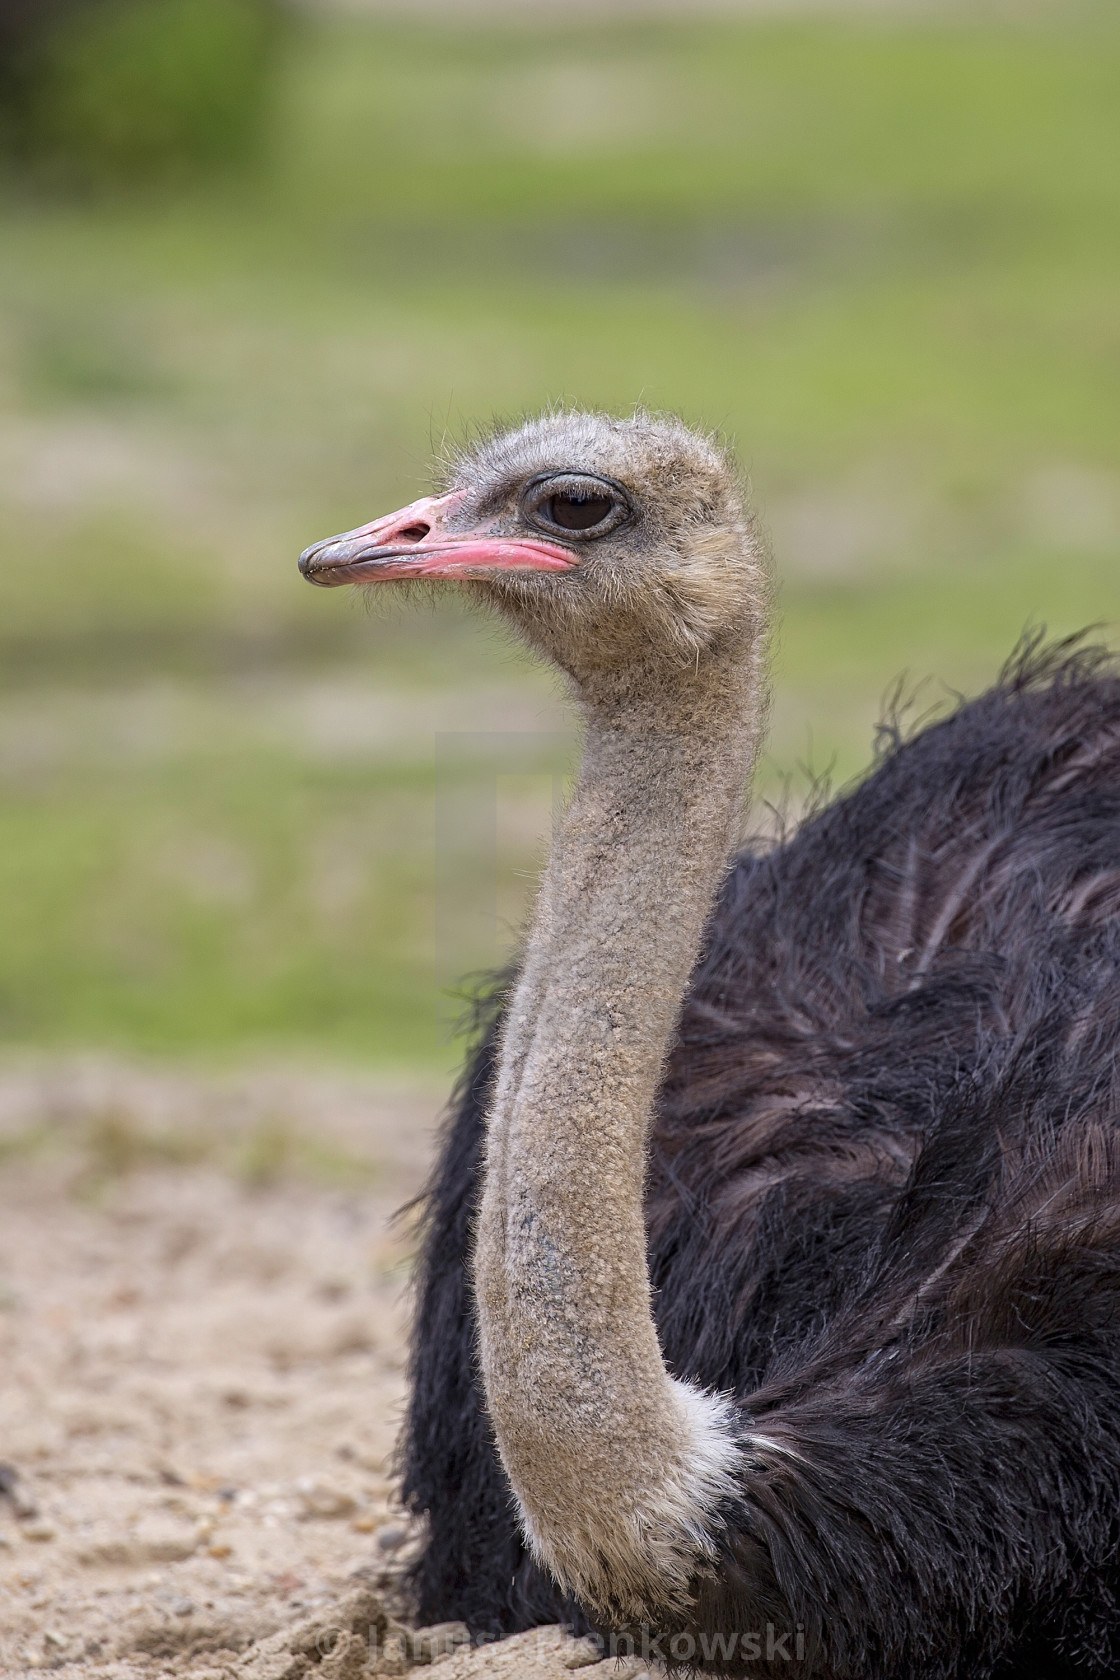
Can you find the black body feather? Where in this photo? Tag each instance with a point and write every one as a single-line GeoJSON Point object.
{"type": "Point", "coordinates": [884, 1212]}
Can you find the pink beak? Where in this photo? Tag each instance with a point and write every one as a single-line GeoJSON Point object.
{"type": "Point", "coordinates": [415, 543]}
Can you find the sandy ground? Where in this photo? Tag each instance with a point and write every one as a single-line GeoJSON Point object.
{"type": "Point", "coordinates": [203, 1302]}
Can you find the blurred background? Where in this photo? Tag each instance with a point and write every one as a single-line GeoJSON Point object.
{"type": "Point", "coordinates": [257, 262]}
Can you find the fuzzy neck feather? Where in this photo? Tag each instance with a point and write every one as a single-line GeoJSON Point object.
{"type": "Point", "coordinates": [619, 1468]}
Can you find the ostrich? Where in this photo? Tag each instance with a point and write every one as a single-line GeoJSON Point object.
{"type": "Point", "coordinates": [769, 1300]}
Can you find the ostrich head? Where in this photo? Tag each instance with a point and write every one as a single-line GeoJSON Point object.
{"type": "Point", "coordinates": [611, 544]}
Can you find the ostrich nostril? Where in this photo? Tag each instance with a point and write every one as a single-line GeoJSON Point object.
{"type": "Point", "coordinates": [414, 533]}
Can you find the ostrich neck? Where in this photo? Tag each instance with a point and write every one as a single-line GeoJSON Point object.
{"type": "Point", "coordinates": [617, 1467]}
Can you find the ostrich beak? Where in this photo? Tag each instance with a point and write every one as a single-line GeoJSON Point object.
{"type": "Point", "coordinates": [416, 543]}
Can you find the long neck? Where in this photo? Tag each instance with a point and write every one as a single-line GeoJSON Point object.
{"type": "Point", "coordinates": [618, 1467]}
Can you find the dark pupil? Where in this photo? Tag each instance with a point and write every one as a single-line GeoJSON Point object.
{"type": "Point", "coordinates": [578, 513]}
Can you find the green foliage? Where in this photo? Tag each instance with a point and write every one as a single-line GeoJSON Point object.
{"type": "Point", "coordinates": [189, 905]}
{"type": "Point", "coordinates": [884, 256]}
{"type": "Point", "coordinates": [126, 91]}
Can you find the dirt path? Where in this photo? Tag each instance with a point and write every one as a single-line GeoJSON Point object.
{"type": "Point", "coordinates": [202, 1307]}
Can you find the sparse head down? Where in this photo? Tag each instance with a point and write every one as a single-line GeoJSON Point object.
{"type": "Point", "coordinates": [608, 542]}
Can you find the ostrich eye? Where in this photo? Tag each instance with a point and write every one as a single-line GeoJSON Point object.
{"type": "Point", "coordinates": [583, 505]}
{"type": "Point", "coordinates": [577, 513]}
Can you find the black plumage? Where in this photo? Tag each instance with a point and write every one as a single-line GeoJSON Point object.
{"type": "Point", "coordinates": [883, 1208]}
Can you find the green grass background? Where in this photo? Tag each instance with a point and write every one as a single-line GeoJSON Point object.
{"type": "Point", "coordinates": [884, 256]}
